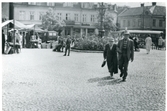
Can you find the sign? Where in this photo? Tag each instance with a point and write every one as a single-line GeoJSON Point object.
{"type": "Point", "coordinates": [84, 24]}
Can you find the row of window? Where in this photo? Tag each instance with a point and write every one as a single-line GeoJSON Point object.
{"type": "Point", "coordinates": [65, 4]}
{"type": "Point", "coordinates": [22, 16]}
{"type": "Point", "coordinates": [128, 23]}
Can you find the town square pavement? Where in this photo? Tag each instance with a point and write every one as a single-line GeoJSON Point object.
{"type": "Point", "coordinates": [43, 80]}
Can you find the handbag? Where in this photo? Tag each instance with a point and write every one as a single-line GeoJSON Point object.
{"type": "Point", "coordinates": [103, 63]}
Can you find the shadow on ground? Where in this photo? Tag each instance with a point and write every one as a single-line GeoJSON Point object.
{"type": "Point", "coordinates": [105, 81]}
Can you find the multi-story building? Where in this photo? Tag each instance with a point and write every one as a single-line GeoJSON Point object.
{"type": "Point", "coordinates": [77, 16]}
{"type": "Point", "coordinates": [143, 18]}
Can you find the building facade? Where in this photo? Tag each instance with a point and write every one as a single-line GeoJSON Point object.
{"type": "Point", "coordinates": [77, 16]}
{"type": "Point", "coordinates": [143, 18]}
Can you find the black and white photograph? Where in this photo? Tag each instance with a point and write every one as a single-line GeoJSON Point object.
{"type": "Point", "coordinates": [83, 56]}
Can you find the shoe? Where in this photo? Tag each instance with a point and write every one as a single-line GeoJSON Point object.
{"type": "Point", "coordinates": [121, 74]}
{"type": "Point", "coordinates": [64, 55]}
{"type": "Point", "coordinates": [68, 55]}
{"type": "Point", "coordinates": [123, 80]}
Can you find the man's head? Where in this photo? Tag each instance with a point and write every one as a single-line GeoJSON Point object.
{"type": "Point", "coordinates": [126, 34]}
{"type": "Point", "coordinates": [110, 40]}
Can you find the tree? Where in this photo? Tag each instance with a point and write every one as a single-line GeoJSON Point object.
{"type": "Point", "coordinates": [50, 22]}
{"type": "Point", "coordinates": [108, 21]}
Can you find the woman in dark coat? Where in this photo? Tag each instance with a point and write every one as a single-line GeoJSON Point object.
{"type": "Point", "coordinates": [110, 55]}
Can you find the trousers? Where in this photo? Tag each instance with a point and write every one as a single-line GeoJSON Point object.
{"type": "Point", "coordinates": [123, 65]}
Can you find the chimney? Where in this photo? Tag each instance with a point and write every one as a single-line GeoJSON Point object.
{"type": "Point", "coordinates": [115, 8]}
{"type": "Point", "coordinates": [142, 4]}
{"type": "Point", "coordinates": [153, 3]}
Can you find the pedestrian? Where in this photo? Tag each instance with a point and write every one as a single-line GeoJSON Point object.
{"type": "Point", "coordinates": [125, 53]}
{"type": "Point", "coordinates": [160, 43]}
{"type": "Point", "coordinates": [3, 42]}
{"type": "Point", "coordinates": [135, 43]}
{"type": "Point", "coordinates": [110, 55]}
{"type": "Point", "coordinates": [17, 41]}
{"type": "Point", "coordinates": [67, 46]}
{"type": "Point", "coordinates": [148, 42]}
{"type": "Point", "coordinates": [23, 43]}
{"type": "Point", "coordinates": [156, 42]}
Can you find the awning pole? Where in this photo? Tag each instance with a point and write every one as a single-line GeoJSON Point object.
{"type": "Point", "coordinates": [14, 36]}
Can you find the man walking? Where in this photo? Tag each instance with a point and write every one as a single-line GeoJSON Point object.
{"type": "Point", "coordinates": [126, 52]}
{"type": "Point", "coordinates": [148, 41]}
{"type": "Point", "coordinates": [67, 47]}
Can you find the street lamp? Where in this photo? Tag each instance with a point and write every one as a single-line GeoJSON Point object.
{"type": "Point", "coordinates": [102, 9]}
{"type": "Point", "coordinates": [143, 14]}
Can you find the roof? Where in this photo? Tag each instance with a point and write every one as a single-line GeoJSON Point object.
{"type": "Point", "coordinates": [153, 10]}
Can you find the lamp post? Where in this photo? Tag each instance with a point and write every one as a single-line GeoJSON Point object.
{"type": "Point", "coordinates": [143, 14]}
{"type": "Point", "coordinates": [102, 9]}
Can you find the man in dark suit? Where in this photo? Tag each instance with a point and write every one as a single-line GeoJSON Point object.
{"type": "Point", "coordinates": [67, 47]}
{"type": "Point", "coordinates": [126, 53]}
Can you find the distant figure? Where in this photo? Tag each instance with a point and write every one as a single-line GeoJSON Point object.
{"type": "Point", "coordinates": [67, 46]}
{"type": "Point", "coordinates": [3, 42]}
{"type": "Point", "coordinates": [148, 42]}
{"type": "Point", "coordinates": [110, 55]}
{"type": "Point", "coordinates": [156, 43]}
{"type": "Point", "coordinates": [160, 43]}
{"type": "Point", "coordinates": [125, 53]}
{"type": "Point", "coordinates": [23, 41]}
{"type": "Point", "coordinates": [17, 41]}
{"type": "Point", "coordinates": [9, 37]}
{"type": "Point", "coordinates": [136, 42]}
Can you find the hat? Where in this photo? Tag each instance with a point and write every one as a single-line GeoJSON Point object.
{"type": "Point", "coordinates": [126, 32]}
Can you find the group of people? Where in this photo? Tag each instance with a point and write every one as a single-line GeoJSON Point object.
{"type": "Point", "coordinates": [12, 45]}
{"type": "Point", "coordinates": [64, 43]}
{"type": "Point", "coordinates": [125, 52]}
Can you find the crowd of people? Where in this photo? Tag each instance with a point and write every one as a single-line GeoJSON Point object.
{"type": "Point", "coordinates": [13, 41]}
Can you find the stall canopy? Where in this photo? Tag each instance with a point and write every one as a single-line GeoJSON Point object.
{"type": "Point", "coordinates": [21, 26]}
{"type": "Point", "coordinates": [33, 27]}
{"type": "Point", "coordinates": [17, 24]}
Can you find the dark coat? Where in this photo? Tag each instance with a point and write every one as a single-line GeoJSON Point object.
{"type": "Point", "coordinates": [111, 56]}
{"type": "Point", "coordinates": [68, 42]}
{"type": "Point", "coordinates": [130, 51]}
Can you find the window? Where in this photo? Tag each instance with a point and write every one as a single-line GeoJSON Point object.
{"type": "Point", "coordinates": [38, 3]}
{"type": "Point", "coordinates": [40, 15]}
{"type": "Point", "coordinates": [128, 23]}
{"type": "Point", "coordinates": [139, 22]}
{"type": "Point", "coordinates": [92, 19]}
{"type": "Point", "coordinates": [59, 16]}
{"type": "Point", "coordinates": [68, 4]}
{"type": "Point", "coordinates": [134, 23]}
{"type": "Point", "coordinates": [154, 22]}
{"type": "Point", "coordinates": [160, 23]}
{"type": "Point", "coordinates": [124, 21]}
{"type": "Point", "coordinates": [67, 16]}
{"type": "Point", "coordinates": [50, 4]}
{"type": "Point", "coordinates": [32, 15]}
{"type": "Point", "coordinates": [84, 17]}
{"type": "Point", "coordinates": [50, 34]}
{"type": "Point", "coordinates": [32, 3]}
{"type": "Point", "coordinates": [76, 17]}
{"type": "Point", "coordinates": [22, 15]}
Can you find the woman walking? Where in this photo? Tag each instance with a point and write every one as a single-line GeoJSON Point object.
{"type": "Point", "coordinates": [148, 42]}
{"type": "Point", "coordinates": [110, 55]}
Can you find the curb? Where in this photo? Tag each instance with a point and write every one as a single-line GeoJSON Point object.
{"type": "Point", "coordinates": [86, 51]}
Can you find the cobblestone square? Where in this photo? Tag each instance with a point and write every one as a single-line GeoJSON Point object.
{"type": "Point", "coordinates": [43, 80]}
